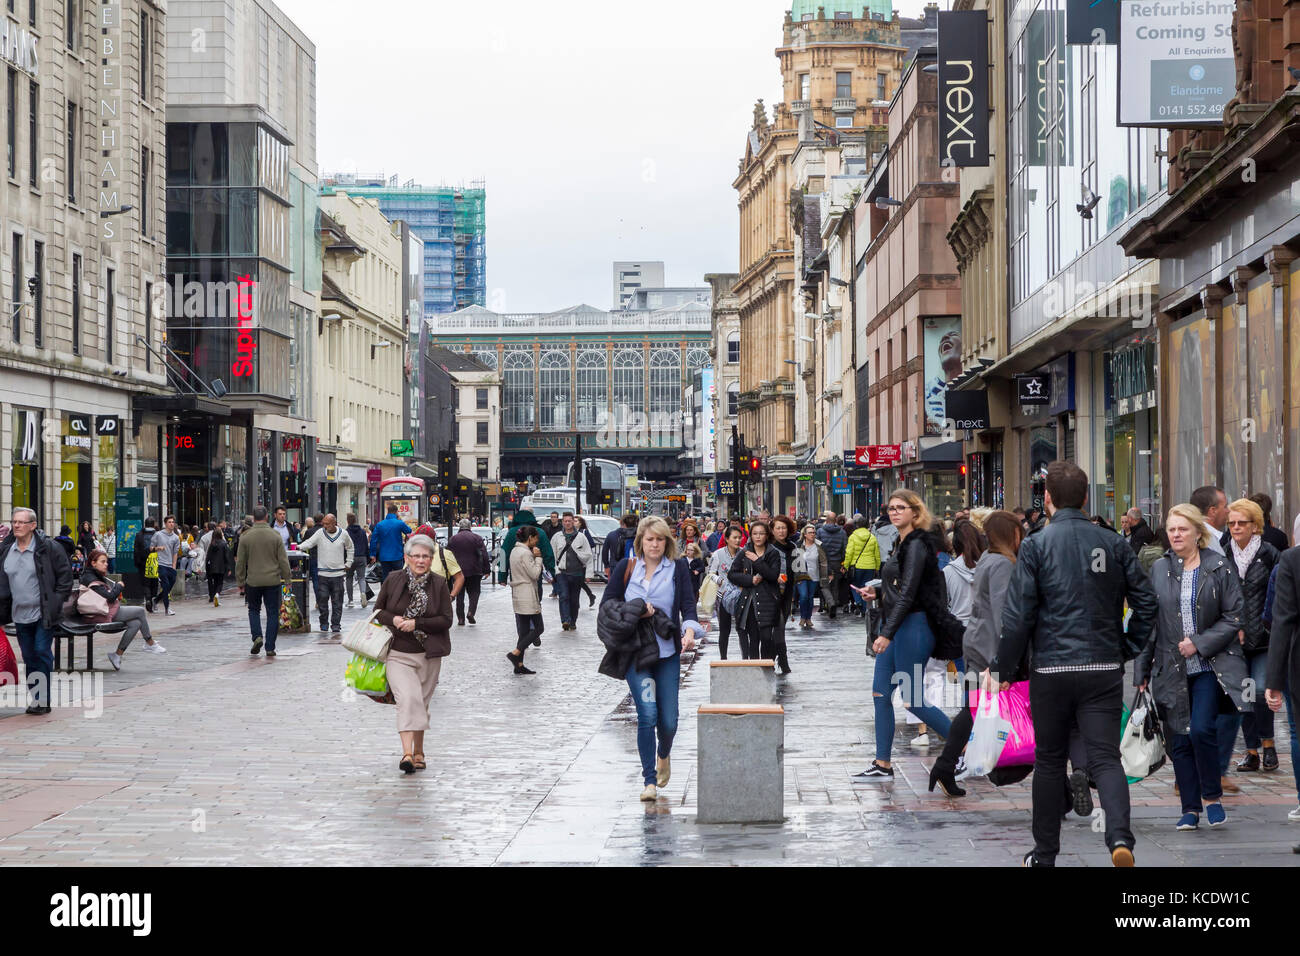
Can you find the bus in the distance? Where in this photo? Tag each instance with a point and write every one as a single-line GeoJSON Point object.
{"type": "Point", "coordinates": [612, 479]}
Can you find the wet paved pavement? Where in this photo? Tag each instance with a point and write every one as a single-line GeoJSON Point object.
{"type": "Point", "coordinates": [203, 755]}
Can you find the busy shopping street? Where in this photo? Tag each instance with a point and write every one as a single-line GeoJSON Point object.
{"type": "Point", "coordinates": [203, 756]}
{"type": "Point", "coordinates": [706, 433]}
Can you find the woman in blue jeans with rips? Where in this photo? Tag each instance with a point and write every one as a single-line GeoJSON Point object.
{"type": "Point", "coordinates": [661, 579]}
{"type": "Point", "coordinates": [911, 581]}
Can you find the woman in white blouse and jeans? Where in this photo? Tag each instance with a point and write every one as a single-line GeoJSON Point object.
{"type": "Point", "coordinates": [663, 581]}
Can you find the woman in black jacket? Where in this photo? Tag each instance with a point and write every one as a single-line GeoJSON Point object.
{"type": "Point", "coordinates": [86, 538]}
{"type": "Point", "coordinates": [96, 578]}
{"type": "Point", "coordinates": [218, 563]}
{"type": "Point", "coordinates": [1194, 665]}
{"type": "Point", "coordinates": [1253, 559]}
{"type": "Point", "coordinates": [912, 586]}
{"type": "Point", "coordinates": [785, 539]}
{"type": "Point", "coordinates": [757, 572]}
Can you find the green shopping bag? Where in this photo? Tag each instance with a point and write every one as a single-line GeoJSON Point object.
{"type": "Point", "coordinates": [1123, 727]}
{"type": "Point", "coordinates": [366, 676]}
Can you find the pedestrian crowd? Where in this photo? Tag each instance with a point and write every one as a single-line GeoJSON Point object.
{"type": "Point", "coordinates": [1048, 606]}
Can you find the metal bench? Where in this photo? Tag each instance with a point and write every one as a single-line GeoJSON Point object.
{"type": "Point", "coordinates": [70, 630]}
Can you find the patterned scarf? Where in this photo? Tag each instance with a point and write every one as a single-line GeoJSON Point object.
{"type": "Point", "coordinates": [1243, 556]}
{"type": "Point", "coordinates": [418, 587]}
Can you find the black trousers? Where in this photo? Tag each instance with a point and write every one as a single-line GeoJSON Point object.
{"type": "Point", "coordinates": [1094, 701]}
{"type": "Point", "coordinates": [724, 631]}
{"type": "Point", "coordinates": [214, 584]}
{"type": "Point", "coordinates": [760, 643]}
{"type": "Point", "coordinates": [527, 626]}
{"type": "Point", "coordinates": [473, 587]}
{"type": "Point", "coordinates": [959, 734]}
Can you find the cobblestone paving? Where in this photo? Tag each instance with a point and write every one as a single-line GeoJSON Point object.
{"type": "Point", "coordinates": [204, 755]}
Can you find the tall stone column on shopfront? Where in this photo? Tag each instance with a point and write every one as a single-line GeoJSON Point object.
{"type": "Point", "coordinates": [1286, 494]}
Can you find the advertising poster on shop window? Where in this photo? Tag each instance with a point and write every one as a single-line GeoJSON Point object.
{"type": "Point", "coordinates": [942, 365]}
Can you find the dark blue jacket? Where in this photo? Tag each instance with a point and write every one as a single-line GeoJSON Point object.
{"type": "Point", "coordinates": [683, 594]}
{"type": "Point", "coordinates": [387, 539]}
{"type": "Point", "coordinates": [360, 547]}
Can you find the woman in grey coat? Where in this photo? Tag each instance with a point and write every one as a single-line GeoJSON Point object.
{"type": "Point", "coordinates": [988, 594]}
{"type": "Point", "coordinates": [1193, 662]}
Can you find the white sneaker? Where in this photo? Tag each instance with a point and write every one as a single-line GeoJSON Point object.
{"type": "Point", "coordinates": [1294, 815]}
{"type": "Point", "coordinates": [171, 613]}
{"type": "Point", "coordinates": [349, 604]}
{"type": "Point", "coordinates": [154, 648]}
{"type": "Point", "coordinates": [115, 659]}
{"type": "Point", "coordinates": [921, 741]}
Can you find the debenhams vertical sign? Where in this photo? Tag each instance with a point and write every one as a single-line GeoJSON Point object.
{"type": "Point", "coordinates": [963, 88]}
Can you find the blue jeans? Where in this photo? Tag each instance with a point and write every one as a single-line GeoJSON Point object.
{"type": "Point", "coordinates": [268, 597]}
{"type": "Point", "coordinates": [1295, 747]}
{"type": "Point", "coordinates": [387, 568]}
{"type": "Point", "coordinates": [36, 642]}
{"type": "Point", "coordinates": [1257, 721]}
{"type": "Point", "coordinates": [569, 587]}
{"type": "Point", "coordinates": [807, 590]}
{"type": "Point", "coordinates": [655, 694]}
{"type": "Point", "coordinates": [903, 663]}
{"type": "Point", "coordinates": [166, 581]}
{"type": "Point", "coordinates": [1196, 755]}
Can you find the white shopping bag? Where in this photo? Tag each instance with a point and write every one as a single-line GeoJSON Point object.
{"type": "Point", "coordinates": [987, 737]}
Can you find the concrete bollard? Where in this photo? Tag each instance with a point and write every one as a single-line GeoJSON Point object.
{"type": "Point", "coordinates": [740, 763]}
{"type": "Point", "coordinates": [748, 682]}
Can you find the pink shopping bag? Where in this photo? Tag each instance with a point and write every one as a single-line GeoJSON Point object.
{"type": "Point", "coordinates": [1013, 706]}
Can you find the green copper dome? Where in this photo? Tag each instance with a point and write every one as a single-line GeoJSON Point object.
{"type": "Point", "coordinates": [807, 9]}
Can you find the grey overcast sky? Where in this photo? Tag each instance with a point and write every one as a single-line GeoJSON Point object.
{"type": "Point", "coordinates": [605, 129]}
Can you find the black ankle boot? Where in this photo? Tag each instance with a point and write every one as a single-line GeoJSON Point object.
{"type": "Point", "coordinates": [944, 777]}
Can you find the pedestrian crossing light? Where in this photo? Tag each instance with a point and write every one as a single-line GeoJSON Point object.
{"type": "Point", "coordinates": [755, 469]}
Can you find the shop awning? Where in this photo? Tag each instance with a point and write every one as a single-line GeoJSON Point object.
{"type": "Point", "coordinates": [183, 404]}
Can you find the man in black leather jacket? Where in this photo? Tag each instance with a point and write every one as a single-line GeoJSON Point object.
{"type": "Point", "coordinates": [1065, 609]}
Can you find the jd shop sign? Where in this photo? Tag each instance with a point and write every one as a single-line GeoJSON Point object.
{"type": "Point", "coordinates": [963, 88]}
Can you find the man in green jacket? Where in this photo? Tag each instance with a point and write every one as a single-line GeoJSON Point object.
{"type": "Point", "coordinates": [262, 571]}
{"type": "Point", "coordinates": [861, 561]}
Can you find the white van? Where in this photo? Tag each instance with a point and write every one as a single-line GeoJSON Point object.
{"type": "Point", "coordinates": [545, 500]}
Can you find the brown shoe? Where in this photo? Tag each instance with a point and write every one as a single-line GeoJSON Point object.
{"type": "Point", "coordinates": [418, 760]}
{"type": "Point", "coordinates": [406, 764]}
{"type": "Point", "coordinates": [1229, 786]}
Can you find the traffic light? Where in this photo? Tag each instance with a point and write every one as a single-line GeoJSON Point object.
{"type": "Point", "coordinates": [755, 466]}
{"type": "Point", "coordinates": [594, 495]}
{"type": "Point", "coordinates": [521, 488]}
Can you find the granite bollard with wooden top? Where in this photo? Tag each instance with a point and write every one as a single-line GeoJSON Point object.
{"type": "Point", "coordinates": [742, 682]}
{"type": "Point", "coordinates": [740, 763]}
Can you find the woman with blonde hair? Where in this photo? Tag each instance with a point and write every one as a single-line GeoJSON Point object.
{"type": "Point", "coordinates": [1193, 660]}
{"type": "Point", "coordinates": [912, 588]}
{"type": "Point", "coordinates": [1253, 559]}
{"type": "Point", "coordinates": [655, 576]}
{"type": "Point", "coordinates": [415, 604]}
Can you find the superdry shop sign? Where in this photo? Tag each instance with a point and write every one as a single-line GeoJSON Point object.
{"type": "Point", "coordinates": [1176, 66]}
{"type": "Point", "coordinates": [1034, 389]}
{"type": "Point", "coordinates": [963, 61]}
{"type": "Point", "coordinates": [877, 456]}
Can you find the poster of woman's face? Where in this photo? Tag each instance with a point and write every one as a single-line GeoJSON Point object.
{"type": "Point", "coordinates": [942, 364]}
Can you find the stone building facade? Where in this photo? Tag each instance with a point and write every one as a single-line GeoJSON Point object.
{"type": "Point", "coordinates": [82, 243]}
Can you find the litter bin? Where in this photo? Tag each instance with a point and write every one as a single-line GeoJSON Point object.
{"type": "Point", "coordinates": [293, 615]}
